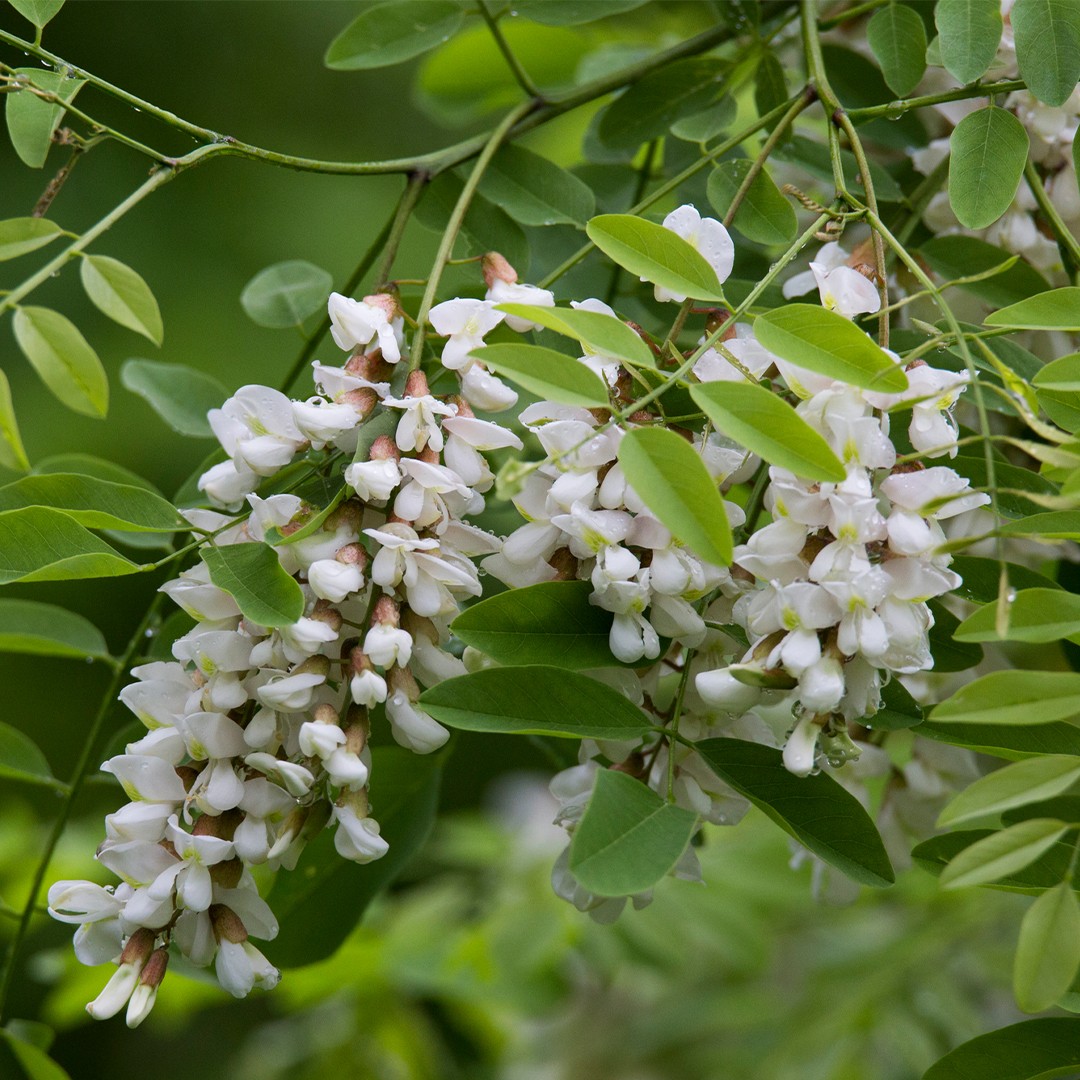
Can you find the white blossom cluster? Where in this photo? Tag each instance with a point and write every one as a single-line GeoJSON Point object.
{"type": "Point", "coordinates": [257, 737]}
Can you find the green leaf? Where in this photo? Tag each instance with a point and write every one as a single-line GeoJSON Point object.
{"type": "Point", "coordinates": [605, 335]}
{"type": "Point", "coordinates": [404, 797]}
{"type": "Point", "coordinates": [549, 623]}
{"type": "Point", "coordinates": [1032, 1050]}
{"type": "Point", "coordinates": [1055, 525]}
{"type": "Point", "coordinates": [12, 452]}
{"type": "Point", "coordinates": [20, 758]}
{"type": "Point", "coordinates": [828, 344]}
{"type": "Point", "coordinates": [18, 236]}
{"type": "Point", "coordinates": [119, 292]}
{"type": "Point", "coordinates": [629, 837]}
{"type": "Point", "coordinates": [1002, 853]}
{"type": "Point", "coordinates": [27, 626]}
{"type": "Point", "coordinates": [764, 215]}
{"type": "Point", "coordinates": [1058, 309]}
{"type": "Point", "coordinates": [981, 578]}
{"type": "Point", "coordinates": [286, 293]}
{"type": "Point", "coordinates": [256, 580]}
{"type": "Point", "coordinates": [1018, 784]}
{"type": "Point", "coordinates": [1052, 867]}
{"type": "Point", "coordinates": [68, 366]}
{"type": "Point", "coordinates": [1035, 615]}
{"type": "Point", "coordinates": [815, 810]}
{"type": "Point", "coordinates": [390, 33]}
{"type": "Point", "coordinates": [816, 159]}
{"type": "Point", "coordinates": [534, 701]}
{"type": "Point", "coordinates": [572, 12]}
{"type": "Point", "coordinates": [536, 191]}
{"type": "Point", "coordinates": [899, 710]}
{"type": "Point", "coordinates": [988, 151]}
{"type": "Point", "coordinates": [897, 38]}
{"type": "Point", "coordinates": [42, 544]}
{"type": "Point", "coordinates": [949, 653]}
{"type": "Point", "coordinates": [1047, 35]}
{"type": "Point", "coordinates": [180, 395]}
{"type": "Point", "coordinates": [39, 12]}
{"type": "Point", "coordinates": [1012, 743]}
{"type": "Point", "coordinates": [1061, 374]}
{"type": "Point", "coordinates": [968, 36]}
{"type": "Point", "coordinates": [703, 126]}
{"type": "Point", "coordinates": [649, 108]}
{"type": "Point", "coordinates": [770, 84]}
{"type": "Point", "coordinates": [1013, 697]}
{"type": "Point", "coordinates": [93, 503]}
{"type": "Point", "coordinates": [21, 1060]}
{"type": "Point", "coordinates": [674, 484]}
{"type": "Point", "coordinates": [1048, 952]}
{"type": "Point", "coordinates": [32, 121]}
{"type": "Point", "coordinates": [550, 375]}
{"type": "Point", "coordinates": [764, 423]}
{"type": "Point", "coordinates": [655, 254]}
{"type": "Point", "coordinates": [954, 257]}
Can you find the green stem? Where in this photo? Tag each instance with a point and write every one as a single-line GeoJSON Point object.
{"type": "Point", "coordinates": [519, 73]}
{"type": "Point", "coordinates": [409, 197]}
{"type": "Point", "coordinates": [961, 93]}
{"type": "Point", "coordinates": [76, 783]}
{"type": "Point", "coordinates": [639, 193]}
{"type": "Point", "coordinates": [758, 164]}
{"type": "Point", "coordinates": [453, 226]}
{"type": "Point", "coordinates": [851, 13]}
{"type": "Point", "coordinates": [1061, 231]}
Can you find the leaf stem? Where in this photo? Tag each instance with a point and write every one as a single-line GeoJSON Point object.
{"type": "Point", "coordinates": [1061, 231]}
{"type": "Point", "coordinates": [961, 93]}
{"type": "Point", "coordinates": [519, 72]}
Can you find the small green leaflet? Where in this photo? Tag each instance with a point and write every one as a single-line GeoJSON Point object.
{"type": "Point", "coordinates": [897, 38]}
{"type": "Point", "coordinates": [549, 623]}
{"type": "Point", "coordinates": [1035, 615]}
{"type": "Point", "coordinates": [39, 12]}
{"type": "Point", "coordinates": [770, 427]}
{"type": "Point", "coordinates": [1013, 697]}
{"type": "Point", "coordinates": [31, 121]}
{"type": "Point", "coordinates": [253, 576]}
{"type": "Point", "coordinates": [655, 254]}
{"type": "Point", "coordinates": [572, 12]}
{"type": "Point", "coordinates": [42, 544]}
{"type": "Point", "coordinates": [27, 626]}
{"type": "Point", "coordinates": [649, 108]}
{"type": "Point", "coordinates": [629, 837]}
{"type": "Point", "coordinates": [598, 333]}
{"type": "Point", "coordinates": [988, 151]}
{"type": "Point", "coordinates": [276, 538]}
{"type": "Point", "coordinates": [67, 364]}
{"type": "Point", "coordinates": [536, 191]}
{"type": "Point", "coordinates": [1061, 374]}
{"type": "Point", "coordinates": [1004, 741]}
{"type": "Point", "coordinates": [1047, 35]}
{"type": "Point", "coordinates": [12, 452]}
{"type": "Point", "coordinates": [546, 373]}
{"type": "Point", "coordinates": [1002, 853]}
{"type": "Point", "coordinates": [674, 484]}
{"type": "Point", "coordinates": [1018, 784]}
{"type": "Point", "coordinates": [1048, 953]}
{"type": "Point", "coordinates": [534, 701]}
{"type": "Point", "coordinates": [764, 215]}
{"type": "Point", "coordinates": [286, 293]}
{"type": "Point", "coordinates": [180, 395]}
{"type": "Point", "coordinates": [1058, 309]}
{"type": "Point", "coordinates": [1032, 1050]}
{"type": "Point", "coordinates": [404, 795]}
{"type": "Point", "coordinates": [966, 256]}
{"type": "Point", "coordinates": [94, 503]}
{"type": "Point", "coordinates": [386, 34]}
{"type": "Point", "coordinates": [828, 344]}
{"type": "Point", "coordinates": [1056, 525]}
{"type": "Point", "coordinates": [815, 810]}
{"type": "Point", "coordinates": [119, 292]}
{"type": "Point", "coordinates": [1044, 873]}
{"type": "Point", "coordinates": [31, 1062]}
{"type": "Point", "coordinates": [968, 36]}
{"type": "Point", "coordinates": [21, 759]}
{"type": "Point", "coordinates": [19, 236]}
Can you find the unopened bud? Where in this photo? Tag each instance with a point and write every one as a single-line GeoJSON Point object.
{"type": "Point", "coordinates": [496, 268]}
{"type": "Point", "coordinates": [463, 407]}
{"type": "Point", "coordinates": [145, 993]}
{"type": "Point", "coordinates": [226, 924]}
{"type": "Point", "coordinates": [352, 555]}
{"type": "Point", "coordinates": [227, 874]}
{"type": "Point", "coordinates": [401, 680]}
{"type": "Point", "coordinates": [325, 612]}
{"type": "Point", "coordinates": [416, 385]}
{"type": "Point", "coordinates": [384, 449]}
{"type": "Point", "coordinates": [386, 613]}
{"type": "Point", "coordinates": [362, 400]}
{"type": "Point", "coordinates": [385, 302]}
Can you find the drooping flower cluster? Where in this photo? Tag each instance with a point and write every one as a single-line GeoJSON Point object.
{"type": "Point", "coordinates": [257, 735]}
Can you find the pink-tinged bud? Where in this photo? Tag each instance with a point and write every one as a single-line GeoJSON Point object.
{"type": "Point", "coordinates": [385, 302]}
{"type": "Point", "coordinates": [313, 665]}
{"type": "Point", "coordinates": [352, 555]}
{"type": "Point", "coordinates": [145, 993]}
{"type": "Point", "coordinates": [226, 924]}
{"type": "Point", "coordinates": [463, 407]}
{"type": "Point", "coordinates": [324, 612]}
{"type": "Point", "coordinates": [496, 268]}
{"type": "Point", "coordinates": [368, 366]}
{"type": "Point", "coordinates": [387, 612]}
{"type": "Point", "coordinates": [429, 455]}
{"type": "Point", "coordinates": [384, 449]}
{"type": "Point", "coordinates": [325, 713]}
{"type": "Point", "coordinates": [402, 681]}
{"type": "Point", "coordinates": [363, 400]}
{"type": "Point", "coordinates": [416, 385]}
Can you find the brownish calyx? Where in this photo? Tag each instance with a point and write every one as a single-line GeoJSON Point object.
{"type": "Point", "coordinates": [496, 268]}
{"type": "Point", "coordinates": [222, 825]}
{"type": "Point", "coordinates": [226, 924]}
{"type": "Point", "coordinates": [363, 400]}
{"type": "Point", "coordinates": [227, 874]}
{"type": "Point", "coordinates": [416, 385]}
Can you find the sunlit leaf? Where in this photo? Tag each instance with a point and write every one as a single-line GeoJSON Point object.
{"type": "Point", "coordinates": [1018, 784]}
{"type": "Point", "coordinates": [1048, 953]}
{"type": "Point", "coordinates": [119, 292]}
{"type": "Point", "coordinates": [18, 236]}
{"type": "Point", "coordinates": [1013, 697]}
{"type": "Point", "coordinates": [39, 12]}
{"type": "Point", "coordinates": [1002, 853]}
{"type": "Point", "coordinates": [548, 374]}
{"type": "Point", "coordinates": [1035, 615]}
{"type": "Point", "coordinates": [31, 120]}
{"type": "Point", "coordinates": [599, 333]}
{"type": "Point", "coordinates": [1047, 36]}
{"type": "Point", "coordinates": [1058, 309]}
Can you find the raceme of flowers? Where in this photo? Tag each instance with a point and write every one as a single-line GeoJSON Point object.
{"type": "Point", "coordinates": [257, 736]}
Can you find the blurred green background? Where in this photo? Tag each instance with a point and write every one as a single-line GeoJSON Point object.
{"type": "Point", "coordinates": [471, 968]}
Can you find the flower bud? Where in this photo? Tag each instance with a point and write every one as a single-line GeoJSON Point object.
{"type": "Point", "coordinates": [145, 993]}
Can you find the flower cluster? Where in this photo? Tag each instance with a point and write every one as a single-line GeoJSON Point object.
{"type": "Point", "coordinates": [257, 735]}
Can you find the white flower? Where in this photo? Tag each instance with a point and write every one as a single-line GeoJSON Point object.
{"type": "Point", "coordinates": [419, 426]}
{"type": "Point", "coordinates": [801, 747]}
{"type": "Point", "coordinates": [373, 480]}
{"type": "Point", "coordinates": [828, 258]}
{"type": "Point", "coordinates": [357, 323]}
{"type": "Point", "coordinates": [411, 728]}
{"type": "Point", "coordinates": [357, 839]}
{"type": "Point", "coordinates": [465, 322]}
{"type": "Point", "coordinates": [708, 236]}
{"type": "Point", "coordinates": [844, 290]}
{"type": "Point", "coordinates": [485, 391]}
{"type": "Point", "coordinates": [513, 292]}
{"type": "Point", "coordinates": [333, 580]}
{"type": "Point", "coordinates": [240, 966]}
